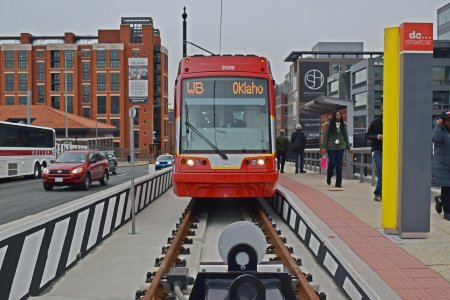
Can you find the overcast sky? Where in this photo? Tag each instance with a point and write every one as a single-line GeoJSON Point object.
{"type": "Point", "coordinates": [265, 27]}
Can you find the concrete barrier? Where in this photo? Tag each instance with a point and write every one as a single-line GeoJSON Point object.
{"type": "Point", "coordinates": [34, 254]}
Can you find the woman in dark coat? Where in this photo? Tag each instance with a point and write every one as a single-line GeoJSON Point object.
{"type": "Point", "coordinates": [440, 164]}
{"type": "Point", "coordinates": [335, 141]}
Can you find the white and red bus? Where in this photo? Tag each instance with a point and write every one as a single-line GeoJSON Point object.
{"type": "Point", "coordinates": [25, 150]}
{"type": "Point", "coordinates": [225, 128]}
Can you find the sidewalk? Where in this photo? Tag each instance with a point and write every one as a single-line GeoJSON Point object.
{"type": "Point", "coordinates": [348, 211]}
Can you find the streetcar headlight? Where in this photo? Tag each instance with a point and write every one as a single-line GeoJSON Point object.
{"type": "Point", "coordinates": [77, 170]}
{"type": "Point", "coordinates": [197, 162]}
{"type": "Point", "coordinates": [260, 162]}
{"type": "Point", "coordinates": [253, 162]}
{"type": "Point", "coordinates": [46, 171]}
{"type": "Point", "coordinates": [190, 162]}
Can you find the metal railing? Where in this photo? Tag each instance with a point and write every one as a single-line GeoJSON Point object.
{"type": "Point", "coordinates": [358, 163]}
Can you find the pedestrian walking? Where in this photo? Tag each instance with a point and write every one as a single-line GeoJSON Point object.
{"type": "Point", "coordinates": [375, 135]}
{"type": "Point", "coordinates": [281, 147]}
{"type": "Point", "coordinates": [335, 141]}
{"type": "Point", "coordinates": [440, 165]}
{"type": "Point", "coordinates": [298, 142]}
{"type": "Point", "coordinates": [129, 158]}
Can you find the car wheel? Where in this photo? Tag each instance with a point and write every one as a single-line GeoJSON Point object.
{"type": "Point", "coordinates": [87, 181]}
{"type": "Point", "coordinates": [37, 171]}
{"type": "Point", "coordinates": [48, 187]}
{"type": "Point", "coordinates": [105, 178]}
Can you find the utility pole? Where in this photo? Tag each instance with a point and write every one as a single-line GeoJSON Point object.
{"type": "Point", "coordinates": [65, 98]}
{"type": "Point", "coordinates": [132, 114]}
{"type": "Point", "coordinates": [184, 15]}
{"type": "Point", "coordinates": [28, 107]}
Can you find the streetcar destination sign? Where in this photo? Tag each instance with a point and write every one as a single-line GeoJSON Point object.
{"type": "Point", "coordinates": [225, 86]}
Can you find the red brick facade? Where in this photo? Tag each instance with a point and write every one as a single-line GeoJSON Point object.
{"type": "Point", "coordinates": [37, 64]}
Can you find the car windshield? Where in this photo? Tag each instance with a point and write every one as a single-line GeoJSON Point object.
{"type": "Point", "coordinates": [164, 157]}
{"type": "Point", "coordinates": [71, 157]}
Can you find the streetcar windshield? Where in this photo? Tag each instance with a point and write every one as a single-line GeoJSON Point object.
{"type": "Point", "coordinates": [229, 114]}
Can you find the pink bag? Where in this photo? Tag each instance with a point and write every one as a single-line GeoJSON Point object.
{"type": "Point", "coordinates": [324, 163]}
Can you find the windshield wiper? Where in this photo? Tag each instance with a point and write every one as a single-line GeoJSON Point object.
{"type": "Point", "coordinates": [189, 125]}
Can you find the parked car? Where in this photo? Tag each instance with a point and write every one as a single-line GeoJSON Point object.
{"type": "Point", "coordinates": [163, 161]}
{"type": "Point", "coordinates": [76, 168]}
{"type": "Point", "coordinates": [112, 160]}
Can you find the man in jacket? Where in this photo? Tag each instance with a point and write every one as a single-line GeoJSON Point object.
{"type": "Point", "coordinates": [375, 135]}
{"type": "Point", "coordinates": [281, 146]}
{"type": "Point", "coordinates": [440, 164]}
{"type": "Point", "coordinates": [298, 142]}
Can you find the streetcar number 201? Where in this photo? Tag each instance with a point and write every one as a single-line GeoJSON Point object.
{"type": "Point", "coordinates": [227, 68]}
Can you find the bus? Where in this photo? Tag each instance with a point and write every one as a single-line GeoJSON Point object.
{"type": "Point", "coordinates": [225, 128]}
{"type": "Point", "coordinates": [25, 150]}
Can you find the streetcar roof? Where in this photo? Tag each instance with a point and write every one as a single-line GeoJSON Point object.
{"type": "Point", "coordinates": [224, 63]}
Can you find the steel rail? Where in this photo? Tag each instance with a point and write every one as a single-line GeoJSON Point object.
{"type": "Point", "coordinates": [156, 291]}
{"type": "Point", "coordinates": [304, 289]}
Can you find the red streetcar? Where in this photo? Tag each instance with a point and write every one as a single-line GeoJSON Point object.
{"type": "Point", "coordinates": [225, 128]}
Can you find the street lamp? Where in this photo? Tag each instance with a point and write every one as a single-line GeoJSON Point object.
{"type": "Point", "coordinates": [96, 131]}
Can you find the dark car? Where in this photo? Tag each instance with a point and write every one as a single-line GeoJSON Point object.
{"type": "Point", "coordinates": [112, 160]}
{"type": "Point", "coordinates": [163, 161]}
{"type": "Point", "coordinates": [76, 168]}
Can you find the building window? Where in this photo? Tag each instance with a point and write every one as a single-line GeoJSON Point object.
{"type": "Point", "coordinates": [360, 77]}
{"type": "Point", "coordinates": [136, 119]}
{"type": "Point", "coordinates": [86, 112]}
{"type": "Point", "coordinates": [55, 82]}
{"type": "Point", "coordinates": [101, 58]}
{"type": "Point", "coordinates": [55, 102]}
{"type": "Point", "coordinates": [136, 139]}
{"type": "Point", "coordinates": [136, 33]}
{"type": "Point", "coordinates": [9, 82]}
{"type": "Point", "coordinates": [40, 71]}
{"type": "Point", "coordinates": [377, 99]}
{"type": "Point", "coordinates": [69, 77]}
{"type": "Point", "coordinates": [115, 108]}
{"type": "Point", "coordinates": [70, 104]}
{"type": "Point", "coordinates": [23, 82]}
{"type": "Point", "coordinates": [9, 59]}
{"type": "Point", "coordinates": [55, 59]}
{"type": "Point", "coordinates": [86, 70]}
{"type": "Point", "coordinates": [101, 104]}
{"type": "Point", "coordinates": [114, 59]}
{"type": "Point", "coordinates": [135, 53]}
{"type": "Point", "coordinates": [9, 100]}
{"type": "Point", "coordinates": [115, 82]}
{"type": "Point", "coordinates": [40, 53]}
{"type": "Point", "coordinates": [69, 58]}
{"type": "Point", "coordinates": [116, 123]}
{"type": "Point", "coordinates": [23, 59]}
{"type": "Point", "coordinates": [101, 82]}
{"type": "Point", "coordinates": [86, 53]}
{"type": "Point", "coordinates": [441, 99]}
{"type": "Point", "coordinates": [360, 101]}
{"type": "Point", "coordinates": [22, 100]}
{"type": "Point", "coordinates": [41, 94]}
{"type": "Point", "coordinates": [86, 93]}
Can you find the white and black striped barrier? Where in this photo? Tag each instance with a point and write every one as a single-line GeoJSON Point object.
{"type": "Point", "coordinates": [351, 275]}
{"type": "Point", "coordinates": [34, 254]}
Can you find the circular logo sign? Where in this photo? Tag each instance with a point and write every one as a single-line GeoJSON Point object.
{"type": "Point", "coordinates": [314, 79]}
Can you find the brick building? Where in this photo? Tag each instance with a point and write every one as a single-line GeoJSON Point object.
{"type": "Point", "coordinates": [106, 75]}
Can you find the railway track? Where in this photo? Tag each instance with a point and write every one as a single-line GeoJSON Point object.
{"type": "Point", "coordinates": [227, 246]}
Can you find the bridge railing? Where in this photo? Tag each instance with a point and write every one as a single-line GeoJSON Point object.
{"type": "Point", "coordinates": [358, 163]}
{"type": "Point", "coordinates": [35, 253]}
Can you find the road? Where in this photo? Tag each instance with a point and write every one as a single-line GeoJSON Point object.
{"type": "Point", "coordinates": [22, 197]}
